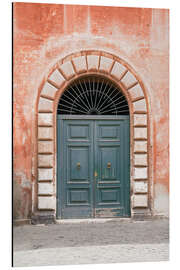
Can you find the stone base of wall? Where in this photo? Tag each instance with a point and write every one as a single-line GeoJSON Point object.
{"type": "Point", "coordinates": [43, 219]}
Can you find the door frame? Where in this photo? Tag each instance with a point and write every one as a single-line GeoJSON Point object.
{"type": "Point", "coordinates": [59, 164]}
{"type": "Point", "coordinates": [56, 80]}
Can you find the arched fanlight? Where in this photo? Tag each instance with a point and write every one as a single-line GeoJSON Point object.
{"type": "Point", "coordinates": [93, 96]}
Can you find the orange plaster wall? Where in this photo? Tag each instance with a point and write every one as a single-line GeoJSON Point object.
{"type": "Point", "coordinates": [45, 33]}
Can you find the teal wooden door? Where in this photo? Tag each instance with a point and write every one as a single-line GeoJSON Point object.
{"type": "Point", "coordinates": [93, 167]}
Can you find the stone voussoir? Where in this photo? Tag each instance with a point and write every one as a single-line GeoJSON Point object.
{"type": "Point", "coordinates": [118, 70]}
{"type": "Point", "coordinates": [105, 64]}
{"type": "Point", "coordinates": [57, 78]}
{"type": "Point", "coordinates": [93, 62]}
{"type": "Point", "coordinates": [136, 92]}
{"type": "Point", "coordinates": [140, 105]}
{"type": "Point", "coordinates": [49, 90]}
{"type": "Point", "coordinates": [80, 64]}
{"type": "Point", "coordinates": [45, 105]}
{"type": "Point", "coordinates": [45, 119]}
{"type": "Point", "coordinates": [67, 70]}
{"type": "Point", "coordinates": [128, 79]}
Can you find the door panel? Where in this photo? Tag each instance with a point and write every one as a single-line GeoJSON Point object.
{"type": "Point", "coordinates": [75, 186]}
{"type": "Point", "coordinates": [93, 168]}
{"type": "Point", "coordinates": [110, 180]}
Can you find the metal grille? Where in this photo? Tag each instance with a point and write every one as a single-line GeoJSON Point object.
{"type": "Point", "coordinates": [93, 96]}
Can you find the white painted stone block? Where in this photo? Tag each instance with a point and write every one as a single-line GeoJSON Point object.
{"type": "Point", "coordinates": [45, 160]}
{"type": "Point", "coordinates": [93, 62]}
{"type": "Point", "coordinates": [140, 146]}
{"type": "Point", "coordinates": [67, 69]}
{"type": "Point", "coordinates": [57, 78]}
{"type": "Point", "coordinates": [45, 147]}
{"type": "Point", "coordinates": [136, 92]}
{"type": "Point", "coordinates": [140, 106]}
{"type": "Point", "coordinates": [45, 133]}
{"type": "Point", "coordinates": [45, 105]}
{"type": "Point", "coordinates": [140, 119]}
{"type": "Point", "coordinates": [128, 79]}
{"type": "Point", "coordinates": [45, 174]}
{"type": "Point", "coordinates": [105, 64]}
{"type": "Point", "coordinates": [140, 200]}
{"type": "Point", "coordinates": [49, 90]}
{"type": "Point", "coordinates": [140, 173]}
{"type": "Point", "coordinates": [140, 187]}
{"type": "Point", "coordinates": [140, 133]}
{"type": "Point", "coordinates": [45, 188]}
{"type": "Point", "coordinates": [45, 119]}
{"type": "Point", "coordinates": [80, 64]}
{"type": "Point", "coordinates": [140, 159]}
{"type": "Point", "coordinates": [46, 202]}
{"type": "Point", "coordinates": [118, 70]}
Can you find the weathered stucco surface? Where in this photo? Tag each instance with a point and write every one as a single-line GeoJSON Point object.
{"type": "Point", "coordinates": [45, 33]}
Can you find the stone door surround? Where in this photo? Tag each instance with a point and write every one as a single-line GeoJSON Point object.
{"type": "Point", "coordinates": [64, 72]}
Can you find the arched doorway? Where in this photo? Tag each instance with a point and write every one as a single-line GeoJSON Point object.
{"type": "Point", "coordinates": [118, 72]}
{"type": "Point", "coordinates": [93, 162]}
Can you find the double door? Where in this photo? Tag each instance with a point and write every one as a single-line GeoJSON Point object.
{"type": "Point", "coordinates": [93, 167]}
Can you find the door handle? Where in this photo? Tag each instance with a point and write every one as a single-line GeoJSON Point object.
{"type": "Point", "coordinates": [109, 165]}
{"type": "Point", "coordinates": [78, 165]}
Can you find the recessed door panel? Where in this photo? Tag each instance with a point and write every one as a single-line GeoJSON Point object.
{"type": "Point", "coordinates": [108, 168]}
{"type": "Point", "coordinates": [78, 160]}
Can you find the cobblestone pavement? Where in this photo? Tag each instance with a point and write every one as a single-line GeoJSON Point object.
{"type": "Point", "coordinates": [102, 241]}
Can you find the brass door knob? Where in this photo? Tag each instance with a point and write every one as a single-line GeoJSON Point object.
{"type": "Point", "coordinates": [78, 165]}
{"type": "Point", "coordinates": [109, 165]}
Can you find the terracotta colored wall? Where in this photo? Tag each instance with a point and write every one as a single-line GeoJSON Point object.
{"type": "Point", "coordinates": [45, 33]}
